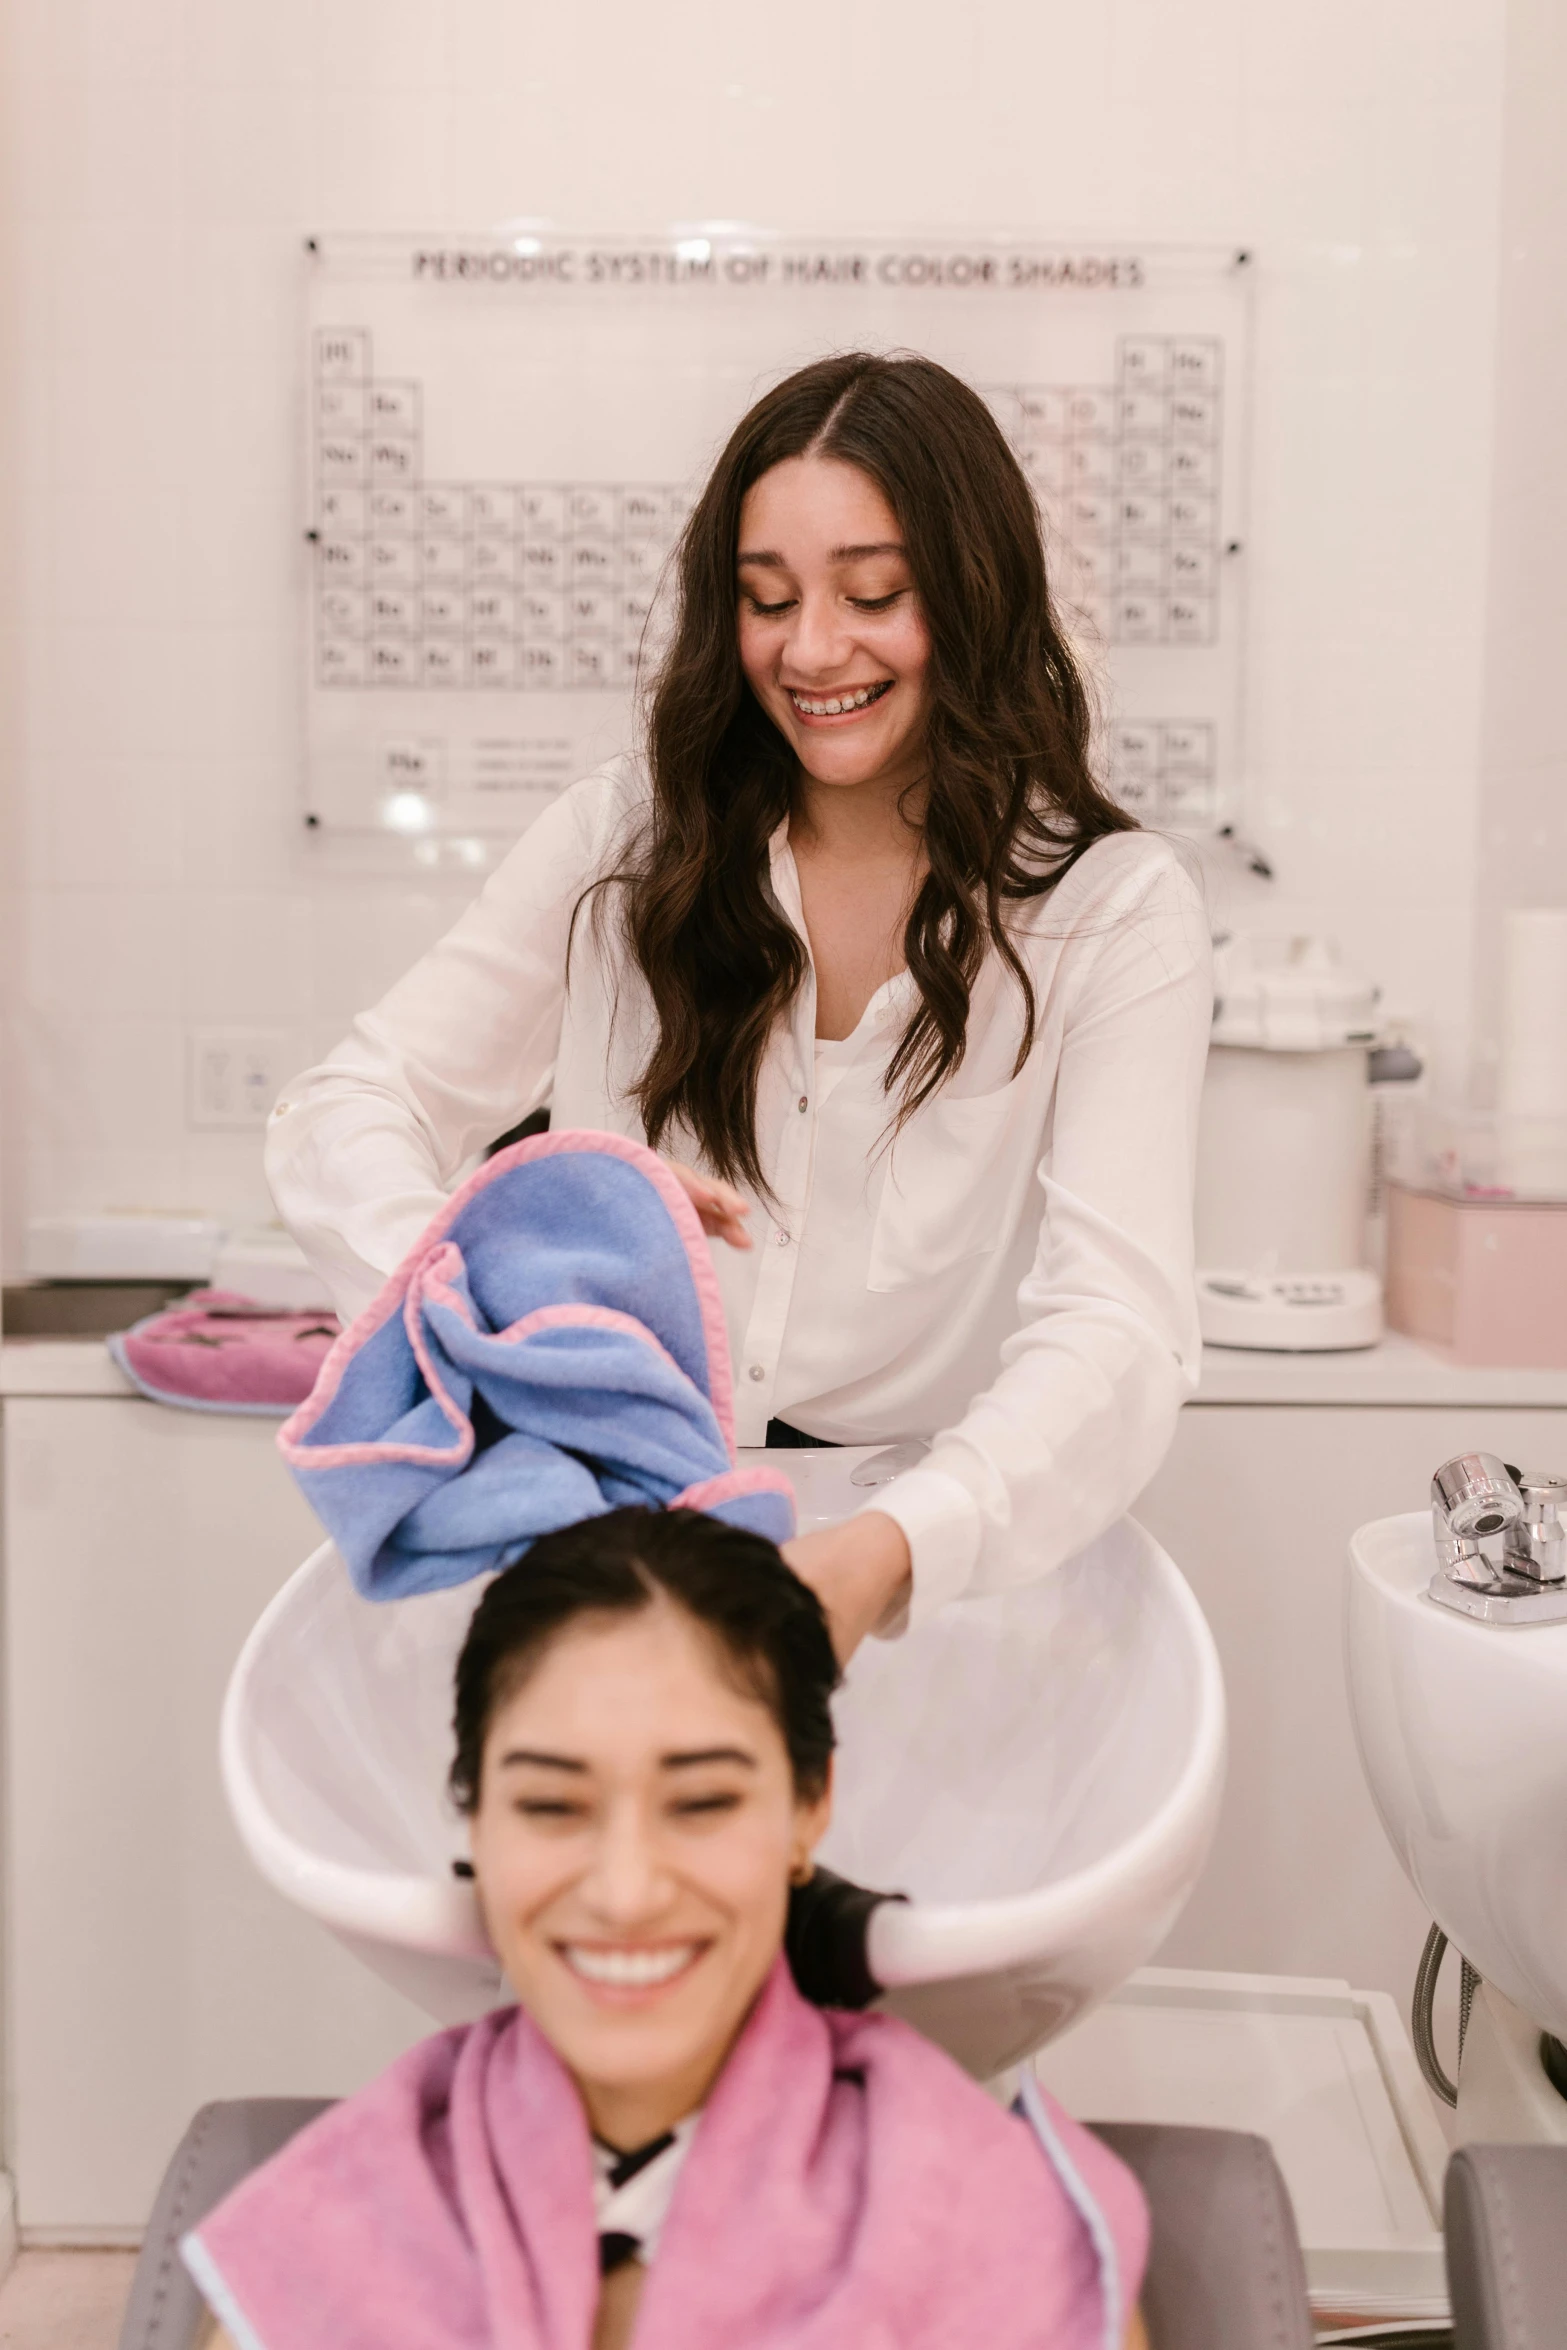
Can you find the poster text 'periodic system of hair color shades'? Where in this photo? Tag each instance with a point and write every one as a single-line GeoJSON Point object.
{"type": "Point", "coordinates": [506, 433]}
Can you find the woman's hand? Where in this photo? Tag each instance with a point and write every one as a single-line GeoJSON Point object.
{"type": "Point", "coordinates": [859, 1571]}
{"type": "Point", "coordinates": [720, 1208]}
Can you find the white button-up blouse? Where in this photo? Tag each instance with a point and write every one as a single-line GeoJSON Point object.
{"type": "Point", "coordinates": [1009, 1276]}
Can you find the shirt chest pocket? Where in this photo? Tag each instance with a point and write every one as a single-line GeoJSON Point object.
{"type": "Point", "coordinates": [948, 1186]}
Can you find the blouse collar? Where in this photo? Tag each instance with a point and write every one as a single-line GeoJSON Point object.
{"type": "Point", "coordinates": [891, 1003]}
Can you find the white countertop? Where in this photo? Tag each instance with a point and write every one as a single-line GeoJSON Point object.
{"type": "Point", "coordinates": [60, 1366]}
{"type": "Point", "coordinates": [1396, 1372]}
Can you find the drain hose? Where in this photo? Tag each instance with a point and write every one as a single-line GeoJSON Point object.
{"type": "Point", "coordinates": [1420, 2014]}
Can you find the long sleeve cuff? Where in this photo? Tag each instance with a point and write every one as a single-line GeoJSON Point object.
{"type": "Point", "coordinates": [941, 1522]}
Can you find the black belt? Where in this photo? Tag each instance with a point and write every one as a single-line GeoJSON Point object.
{"type": "Point", "coordinates": [782, 1438]}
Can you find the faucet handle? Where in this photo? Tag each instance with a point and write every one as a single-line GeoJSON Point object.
{"type": "Point", "coordinates": [1538, 1546]}
{"type": "Point", "coordinates": [883, 1467]}
{"type": "Point", "coordinates": [1540, 1488]}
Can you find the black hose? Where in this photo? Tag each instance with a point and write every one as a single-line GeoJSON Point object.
{"type": "Point", "coordinates": [1392, 2336]}
{"type": "Point", "coordinates": [1426, 1973]}
{"type": "Point", "coordinates": [824, 1940]}
{"type": "Point", "coordinates": [1468, 1985]}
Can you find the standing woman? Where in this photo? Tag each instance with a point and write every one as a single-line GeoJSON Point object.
{"type": "Point", "coordinates": [917, 1013]}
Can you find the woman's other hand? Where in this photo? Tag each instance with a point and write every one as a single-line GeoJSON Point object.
{"type": "Point", "coordinates": [859, 1571]}
{"type": "Point", "coordinates": [720, 1208]}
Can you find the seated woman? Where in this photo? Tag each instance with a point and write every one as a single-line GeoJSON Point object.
{"type": "Point", "coordinates": [664, 2142]}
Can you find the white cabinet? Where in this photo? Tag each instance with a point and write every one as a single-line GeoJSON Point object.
{"type": "Point", "coordinates": [147, 1967]}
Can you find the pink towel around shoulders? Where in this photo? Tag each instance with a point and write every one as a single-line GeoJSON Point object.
{"type": "Point", "coordinates": [848, 2188]}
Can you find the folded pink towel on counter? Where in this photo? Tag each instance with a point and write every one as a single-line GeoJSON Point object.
{"type": "Point", "coordinates": [847, 2187]}
{"type": "Point", "coordinates": [218, 1352]}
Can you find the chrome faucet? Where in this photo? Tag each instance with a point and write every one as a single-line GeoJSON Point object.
{"type": "Point", "coordinates": [1476, 1498]}
{"type": "Point", "coordinates": [883, 1467]}
{"type": "Point", "coordinates": [1536, 1544]}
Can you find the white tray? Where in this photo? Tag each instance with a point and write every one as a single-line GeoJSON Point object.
{"type": "Point", "coordinates": [1324, 2073]}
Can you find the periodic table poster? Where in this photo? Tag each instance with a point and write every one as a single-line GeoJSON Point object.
{"type": "Point", "coordinates": [506, 434]}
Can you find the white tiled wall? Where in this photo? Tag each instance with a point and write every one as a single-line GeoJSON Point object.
{"type": "Point", "coordinates": [164, 159]}
{"type": "Point", "coordinates": [1523, 763]}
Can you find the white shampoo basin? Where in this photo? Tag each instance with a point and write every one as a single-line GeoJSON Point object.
{"type": "Point", "coordinates": [1040, 1773]}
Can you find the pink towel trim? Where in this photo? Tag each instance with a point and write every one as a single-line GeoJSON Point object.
{"type": "Point", "coordinates": [429, 1286]}
{"type": "Point", "coordinates": [731, 1486]}
{"type": "Point", "coordinates": [425, 1280]}
{"type": "Point", "coordinates": [591, 1318]}
{"type": "Point", "coordinates": [374, 1451]}
{"type": "Point", "coordinates": [393, 1298]}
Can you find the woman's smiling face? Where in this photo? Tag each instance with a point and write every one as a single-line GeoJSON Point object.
{"type": "Point", "coordinates": [832, 638]}
{"type": "Point", "coordinates": [636, 1829]}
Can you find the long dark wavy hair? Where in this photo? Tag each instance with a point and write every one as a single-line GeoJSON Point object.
{"type": "Point", "coordinates": [1011, 801]}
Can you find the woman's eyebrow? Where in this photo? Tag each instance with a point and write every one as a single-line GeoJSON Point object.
{"type": "Point", "coordinates": [776, 562]}
{"type": "Point", "coordinates": [706, 1754]}
{"type": "Point", "coordinates": [544, 1762]}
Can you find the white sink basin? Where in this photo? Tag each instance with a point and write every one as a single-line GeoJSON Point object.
{"type": "Point", "coordinates": [1040, 1773]}
{"type": "Point", "coordinates": [1463, 1734]}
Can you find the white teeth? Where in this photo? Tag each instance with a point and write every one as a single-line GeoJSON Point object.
{"type": "Point", "coordinates": [628, 1967]}
{"type": "Point", "coordinates": [841, 702]}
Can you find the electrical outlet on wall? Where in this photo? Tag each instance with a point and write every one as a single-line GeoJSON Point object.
{"type": "Point", "coordinates": [235, 1074]}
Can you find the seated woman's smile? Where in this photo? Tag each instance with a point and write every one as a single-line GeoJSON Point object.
{"type": "Point", "coordinates": [635, 1835]}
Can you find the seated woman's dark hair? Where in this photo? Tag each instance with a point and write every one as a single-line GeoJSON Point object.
{"type": "Point", "coordinates": [767, 1625]}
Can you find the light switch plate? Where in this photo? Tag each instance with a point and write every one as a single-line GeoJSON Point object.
{"type": "Point", "coordinates": [235, 1074]}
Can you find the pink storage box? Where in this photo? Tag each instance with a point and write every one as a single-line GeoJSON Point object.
{"type": "Point", "coordinates": [1485, 1280]}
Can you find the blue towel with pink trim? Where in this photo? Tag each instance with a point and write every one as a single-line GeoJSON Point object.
{"type": "Point", "coordinates": [551, 1348]}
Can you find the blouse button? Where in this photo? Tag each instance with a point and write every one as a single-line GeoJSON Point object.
{"type": "Point", "coordinates": [756, 1372]}
{"type": "Point", "coordinates": [782, 1238]}
{"type": "Point", "coordinates": [803, 1104]}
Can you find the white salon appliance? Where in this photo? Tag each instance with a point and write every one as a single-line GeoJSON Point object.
{"type": "Point", "coordinates": [1284, 1152]}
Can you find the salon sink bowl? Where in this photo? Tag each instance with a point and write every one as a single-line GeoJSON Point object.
{"type": "Point", "coordinates": [1039, 1773]}
{"type": "Point", "coordinates": [1462, 1728]}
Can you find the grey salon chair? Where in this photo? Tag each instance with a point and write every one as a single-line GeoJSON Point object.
{"type": "Point", "coordinates": [1505, 2218]}
{"type": "Point", "coordinates": [1225, 2266]}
